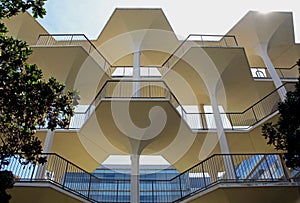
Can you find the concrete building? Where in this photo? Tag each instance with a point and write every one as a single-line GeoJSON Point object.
{"type": "Point", "coordinates": [199, 103]}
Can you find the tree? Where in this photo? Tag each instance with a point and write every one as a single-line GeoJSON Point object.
{"type": "Point", "coordinates": [285, 134]}
{"type": "Point", "coordinates": [26, 99]}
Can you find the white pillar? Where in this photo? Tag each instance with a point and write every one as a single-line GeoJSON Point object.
{"type": "Point", "coordinates": [228, 165]}
{"type": "Point", "coordinates": [48, 141]}
{"type": "Point", "coordinates": [271, 69]}
{"type": "Point", "coordinates": [135, 178]}
{"type": "Point", "coordinates": [136, 73]}
{"type": "Point", "coordinates": [41, 171]}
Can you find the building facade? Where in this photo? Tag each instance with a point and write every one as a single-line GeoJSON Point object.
{"type": "Point", "coordinates": [199, 102]}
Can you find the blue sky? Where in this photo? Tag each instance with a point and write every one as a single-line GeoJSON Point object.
{"type": "Point", "coordinates": [210, 17]}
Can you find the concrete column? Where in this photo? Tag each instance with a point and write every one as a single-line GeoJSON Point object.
{"type": "Point", "coordinates": [135, 178]}
{"type": "Point", "coordinates": [136, 73]}
{"type": "Point", "coordinates": [48, 141]}
{"type": "Point", "coordinates": [228, 164]}
{"type": "Point", "coordinates": [41, 171]}
{"type": "Point", "coordinates": [276, 79]}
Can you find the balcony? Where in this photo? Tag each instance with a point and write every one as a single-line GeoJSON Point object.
{"type": "Point", "coordinates": [285, 74]}
{"type": "Point", "coordinates": [193, 40]}
{"type": "Point", "coordinates": [253, 171]}
{"type": "Point", "coordinates": [153, 90]}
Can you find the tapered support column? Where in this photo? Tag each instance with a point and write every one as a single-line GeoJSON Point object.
{"type": "Point", "coordinates": [272, 71]}
{"type": "Point", "coordinates": [228, 164]}
{"type": "Point", "coordinates": [46, 149]}
{"type": "Point", "coordinates": [135, 179]}
{"type": "Point", "coordinates": [136, 74]}
{"type": "Point", "coordinates": [48, 141]}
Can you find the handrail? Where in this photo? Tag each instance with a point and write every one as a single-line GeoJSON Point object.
{"type": "Point", "coordinates": [69, 42]}
{"type": "Point", "coordinates": [199, 35]}
{"type": "Point", "coordinates": [280, 71]}
{"type": "Point", "coordinates": [129, 74]}
{"type": "Point", "coordinates": [258, 110]}
{"type": "Point", "coordinates": [172, 96]}
{"type": "Point", "coordinates": [202, 44]}
{"type": "Point", "coordinates": [248, 117]}
{"type": "Point", "coordinates": [259, 101]}
{"type": "Point", "coordinates": [234, 168]}
{"type": "Point", "coordinates": [49, 36]}
{"type": "Point", "coordinates": [249, 168]}
{"type": "Point", "coordinates": [199, 123]}
{"type": "Point", "coordinates": [163, 69]}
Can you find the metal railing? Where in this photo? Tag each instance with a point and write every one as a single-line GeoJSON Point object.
{"type": "Point", "coordinates": [158, 89]}
{"type": "Point", "coordinates": [232, 168]}
{"type": "Point", "coordinates": [257, 112]}
{"type": "Point", "coordinates": [283, 73]}
{"type": "Point", "coordinates": [244, 168]}
{"type": "Point", "coordinates": [191, 41]}
{"type": "Point", "coordinates": [146, 89]}
{"type": "Point", "coordinates": [154, 89]}
{"type": "Point", "coordinates": [197, 40]}
{"type": "Point", "coordinates": [127, 71]}
{"type": "Point", "coordinates": [70, 177]}
{"type": "Point", "coordinates": [75, 40]}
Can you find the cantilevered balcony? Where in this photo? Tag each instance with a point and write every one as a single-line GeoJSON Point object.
{"type": "Point", "coordinates": [70, 40]}
{"type": "Point", "coordinates": [204, 181]}
{"type": "Point", "coordinates": [193, 40]}
{"type": "Point", "coordinates": [197, 121]}
{"type": "Point", "coordinates": [197, 40]}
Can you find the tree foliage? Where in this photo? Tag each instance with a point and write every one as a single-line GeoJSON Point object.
{"type": "Point", "coordinates": [285, 134]}
{"type": "Point", "coordinates": [26, 99]}
{"type": "Point", "coordinates": [9, 8]}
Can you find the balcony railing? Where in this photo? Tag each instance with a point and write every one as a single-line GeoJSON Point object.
{"type": "Point", "coordinates": [153, 89]}
{"type": "Point", "coordinates": [246, 168]}
{"type": "Point", "coordinates": [127, 72]}
{"type": "Point", "coordinates": [283, 73]}
{"type": "Point", "coordinates": [75, 40]}
{"type": "Point", "coordinates": [191, 41]}
{"type": "Point", "coordinates": [197, 40]}
{"type": "Point", "coordinates": [257, 112]}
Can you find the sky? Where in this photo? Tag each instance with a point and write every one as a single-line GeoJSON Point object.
{"type": "Point", "coordinates": [185, 16]}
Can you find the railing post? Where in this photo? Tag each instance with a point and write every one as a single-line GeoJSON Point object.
{"type": "Point", "coordinates": [63, 183]}
{"type": "Point", "coordinates": [90, 183]}
{"type": "Point", "coordinates": [32, 172]}
{"type": "Point", "coordinates": [91, 49]}
{"type": "Point", "coordinates": [236, 43]}
{"type": "Point", "coordinates": [180, 187]}
{"type": "Point", "coordinates": [71, 40]}
{"type": "Point", "coordinates": [234, 168]}
{"type": "Point", "coordinates": [38, 40]}
{"type": "Point", "coordinates": [254, 115]}
{"type": "Point", "coordinates": [230, 120]}
{"type": "Point", "coordinates": [117, 191]}
{"type": "Point", "coordinates": [149, 90]}
{"type": "Point", "coordinates": [266, 160]}
{"type": "Point", "coordinates": [204, 178]}
{"type": "Point", "coordinates": [120, 92]}
{"type": "Point", "coordinates": [284, 168]}
{"type": "Point", "coordinates": [225, 41]}
{"type": "Point", "coordinates": [152, 191]}
{"type": "Point", "coordinates": [49, 36]}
